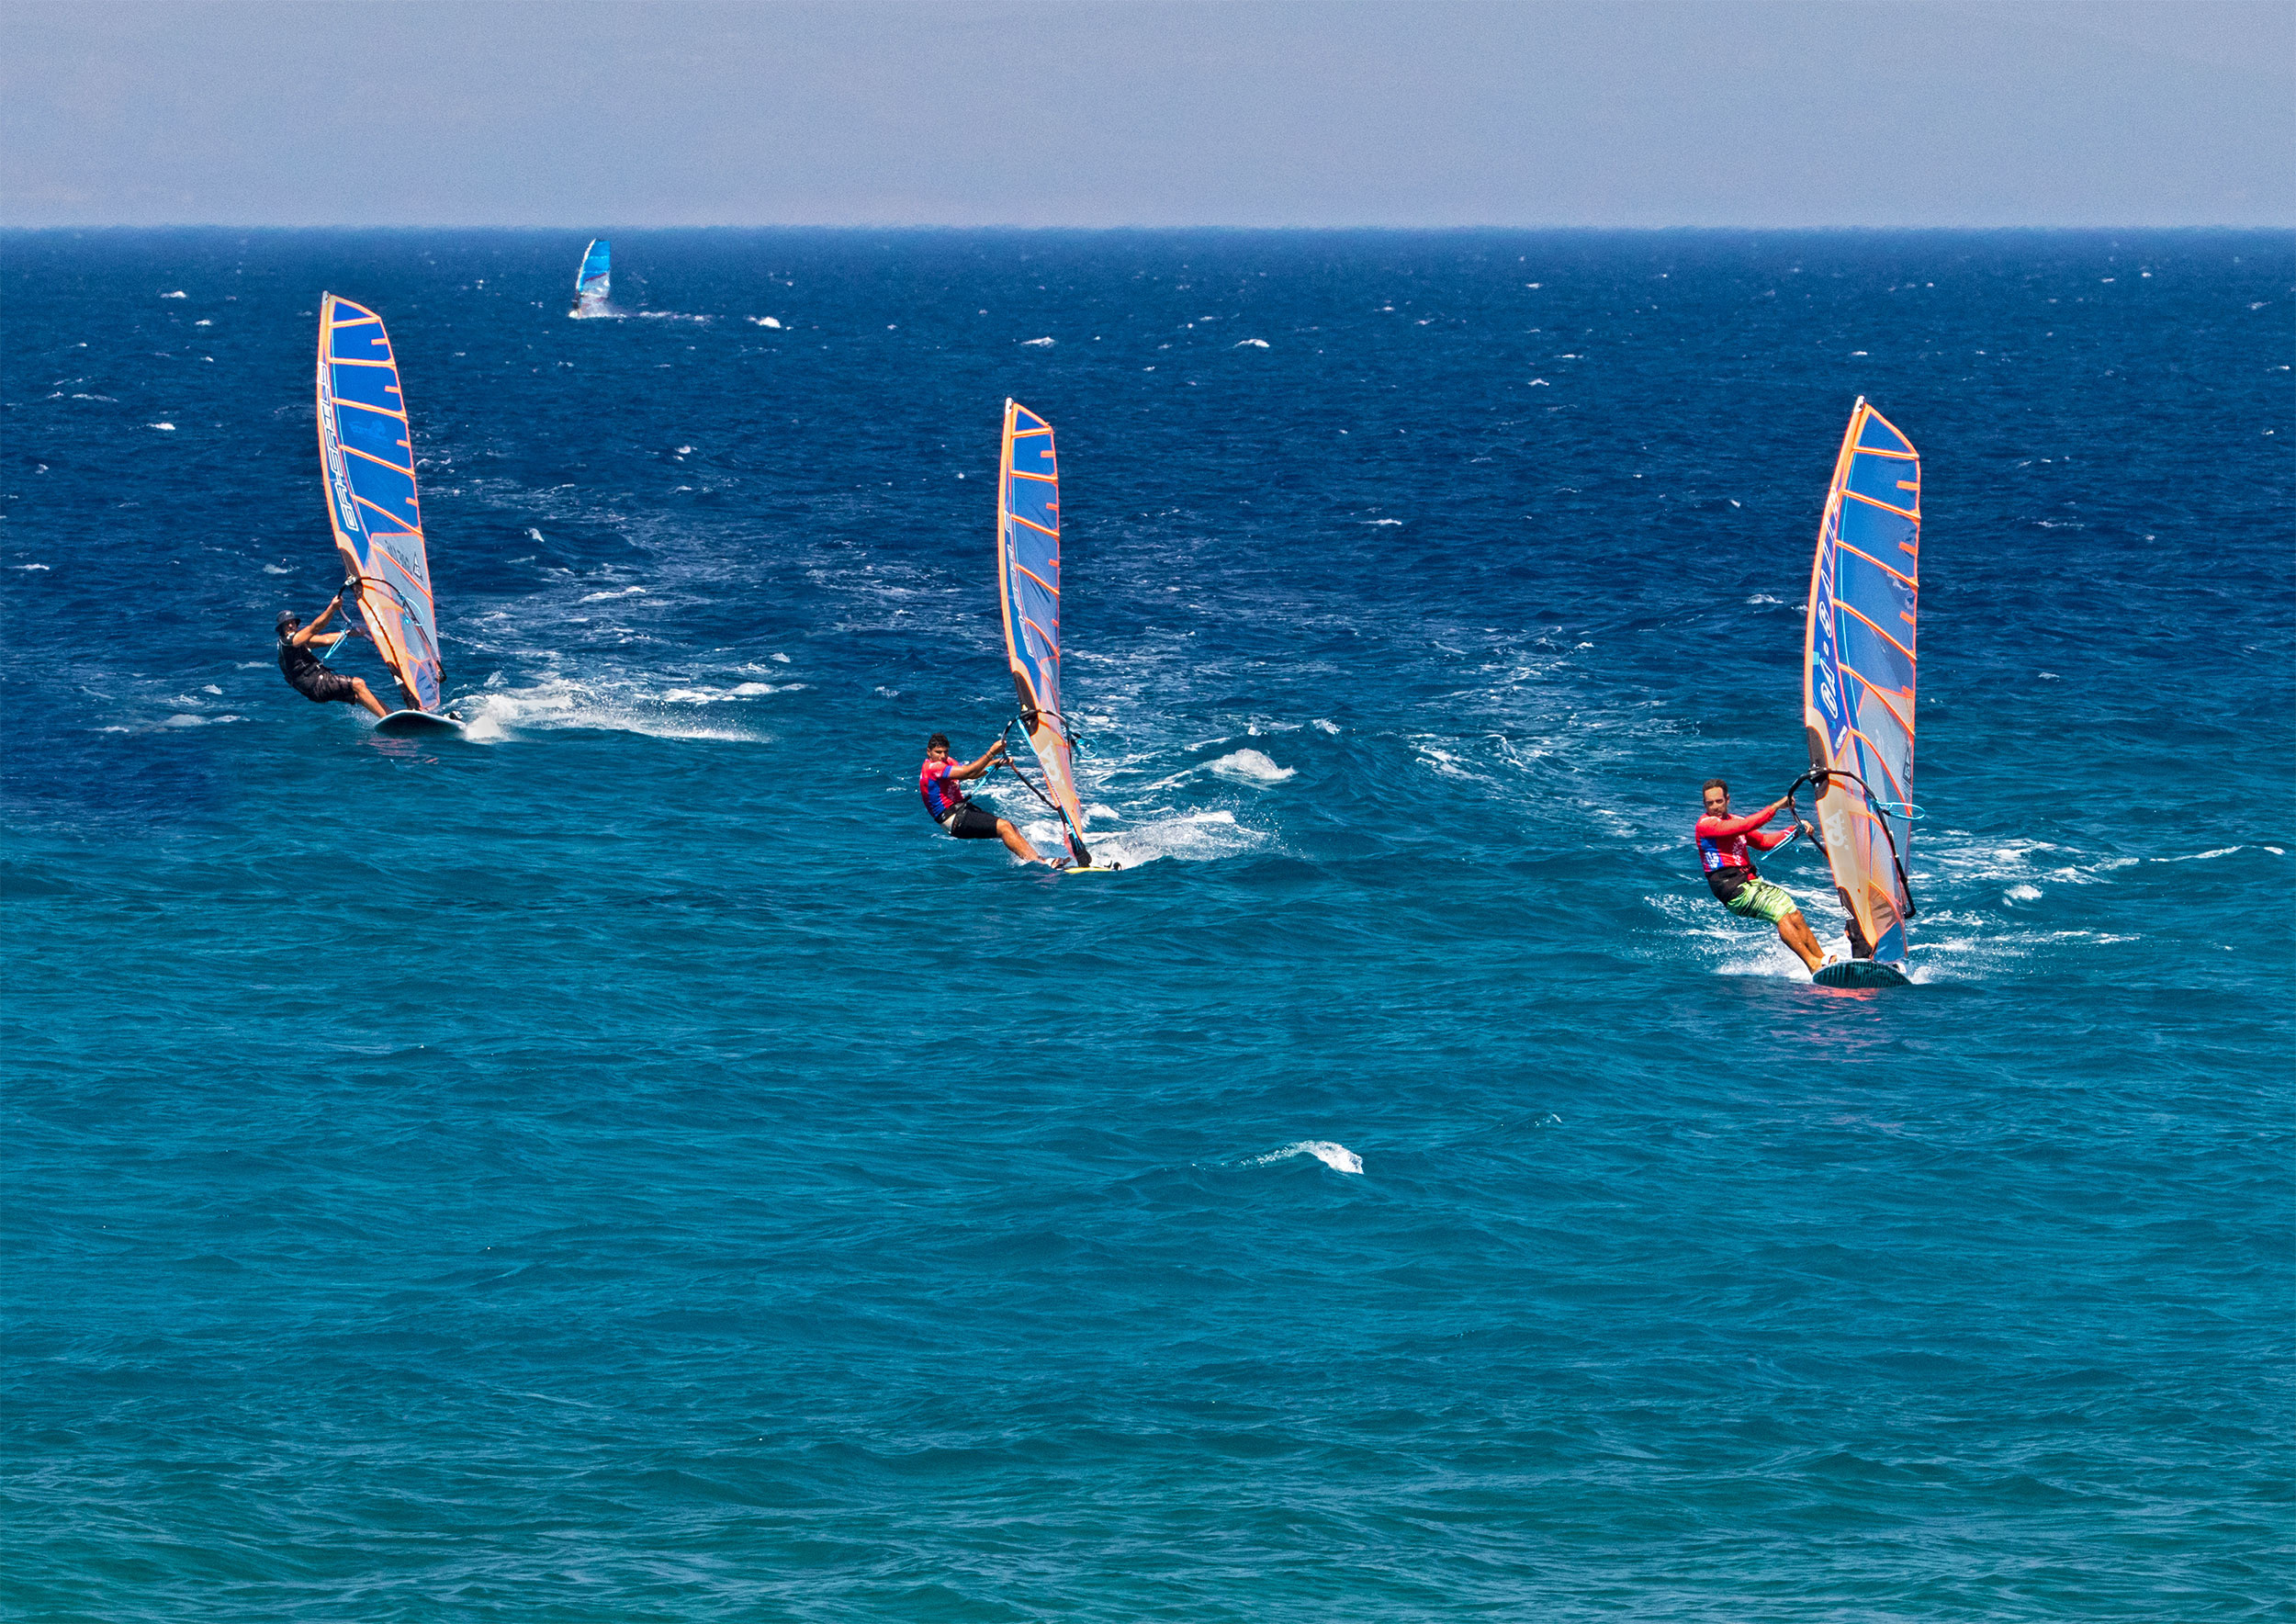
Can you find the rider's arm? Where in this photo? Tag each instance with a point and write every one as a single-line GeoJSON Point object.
{"type": "Point", "coordinates": [301, 639]}
{"type": "Point", "coordinates": [1722, 829]}
{"type": "Point", "coordinates": [975, 769]}
{"type": "Point", "coordinates": [1768, 842]}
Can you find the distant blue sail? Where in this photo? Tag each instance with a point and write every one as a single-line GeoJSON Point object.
{"type": "Point", "coordinates": [594, 280]}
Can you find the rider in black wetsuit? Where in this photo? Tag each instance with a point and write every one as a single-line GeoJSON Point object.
{"type": "Point", "coordinates": [313, 681]}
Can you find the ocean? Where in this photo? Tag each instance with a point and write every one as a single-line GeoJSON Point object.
{"type": "Point", "coordinates": [628, 1164]}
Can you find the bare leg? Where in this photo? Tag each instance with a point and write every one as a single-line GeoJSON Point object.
{"type": "Point", "coordinates": [1016, 842]}
{"type": "Point", "coordinates": [1795, 931]}
{"type": "Point", "coordinates": [366, 697]}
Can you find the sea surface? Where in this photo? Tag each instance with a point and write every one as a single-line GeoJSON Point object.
{"type": "Point", "coordinates": [628, 1164]}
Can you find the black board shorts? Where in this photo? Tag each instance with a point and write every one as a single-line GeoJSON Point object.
{"type": "Point", "coordinates": [323, 686]}
{"type": "Point", "coordinates": [968, 822]}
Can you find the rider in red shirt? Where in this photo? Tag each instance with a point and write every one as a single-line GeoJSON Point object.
{"type": "Point", "coordinates": [937, 783]}
{"type": "Point", "coordinates": [1737, 884]}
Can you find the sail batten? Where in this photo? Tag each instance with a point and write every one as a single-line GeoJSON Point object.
{"type": "Point", "coordinates": [372, 506]}
{"type": "Point", "coordinates": [1860, 662]}
{"type": "Point", "coordinates": [1028, 576]}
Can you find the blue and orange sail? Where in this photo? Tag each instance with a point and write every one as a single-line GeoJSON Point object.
{"type": "Point", "coordinates": [1028, 587]}
{"type": "Point", "coordinates": [1858, 675]}
{"type": "Point", "coordinates": [367, 462]}
{"type": "Point", "coordinates": [594, 281]}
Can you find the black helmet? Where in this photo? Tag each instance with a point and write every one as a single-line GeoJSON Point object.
{"type": "Point", "coordinates": [286, 618]}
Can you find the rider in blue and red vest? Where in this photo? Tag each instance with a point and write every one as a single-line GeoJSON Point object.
{"type": "Point", "coordinates": [937, 783]}
{"type": "Point", "coordinates": [1723, 843]}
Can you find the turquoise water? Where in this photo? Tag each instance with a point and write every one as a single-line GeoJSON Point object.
{"type": "Point", "coordinates": [628, 1164]}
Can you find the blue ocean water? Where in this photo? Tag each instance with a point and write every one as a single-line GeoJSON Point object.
{"type": "Point", "coordinates": [629, 1165]}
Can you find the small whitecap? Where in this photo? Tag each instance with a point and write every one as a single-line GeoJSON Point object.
{"type": "Point", "coordinates": [2050, 677]}
{"type": "Point", "coordinates": [1036, 341]}
{"type": "Point", "coordinates": [169, 427]}
{"type": "Point", "coordinates": [1337, 1158]}
{"type": "Point", "coordinates": [685, 451]}
{"type": "Point", "coordinates": [1382, 521]}
{"type": "Point", "coordinates": [533, 534]}
{"type": "Point", "coordinates": [1538, 383]}
{"type": "Point", "coordinates": [1257, 343]}
{"type": "Point", "coordinates": [752, 690]}
{"type": "Point", "coordinates": [210, 688]}
{"type": "Point", "coordinates": [276, 569]}
{"type": "Point", "coordinates": [1252, 767]}
{"type": "Point", "coordinates": [203, 322]}
{"type": "Point", "coordinates": [2022, 893]}
{"type": "Point", "coordinates": [1764, 598]}
{"type": "Point", "coordinates": [779, 658]}
{"type": "Point", "coordinates": [1331, 727]}
{"type": "Point", "coordinates": [179, 293]}
{"type": "Point", "coordinates": [31, 566]}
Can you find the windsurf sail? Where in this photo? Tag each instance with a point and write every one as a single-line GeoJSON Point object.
{"type": "Point", "coordinates": [1029, 580]}
{"type": "Point", "coordinates": [594, 280]}
{"type": "Point", "coordinates": [367, 462]}
{"type": "Point", "coordinates": [1858, 675]}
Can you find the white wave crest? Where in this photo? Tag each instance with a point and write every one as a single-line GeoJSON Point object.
{"type": "Point", "coordinates": [557, 705]}
{"type": "Point", "coordinates": [1197, 837]}
{"type": "Point", "coordinates": [1250, 766]}
{"type": "Point", "coordinates": [1337, 1158]}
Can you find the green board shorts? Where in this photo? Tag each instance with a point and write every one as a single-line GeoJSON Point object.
{"type": "Point", "coordinates": [1759, 899]}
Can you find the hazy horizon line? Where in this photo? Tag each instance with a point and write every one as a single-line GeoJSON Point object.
{"type": "Point", "coordinates": [921, 227]}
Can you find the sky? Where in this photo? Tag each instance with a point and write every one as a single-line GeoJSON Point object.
{"type": "Point", "coordinates": [1091, 113]}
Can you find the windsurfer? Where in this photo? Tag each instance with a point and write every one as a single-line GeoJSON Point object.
{"type": "Point", "coordinates": [306, 676]}
{"type": "Point", "coordinates": [1737, 884]}
{"type": "Point", "coordinates": [948, 806]}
